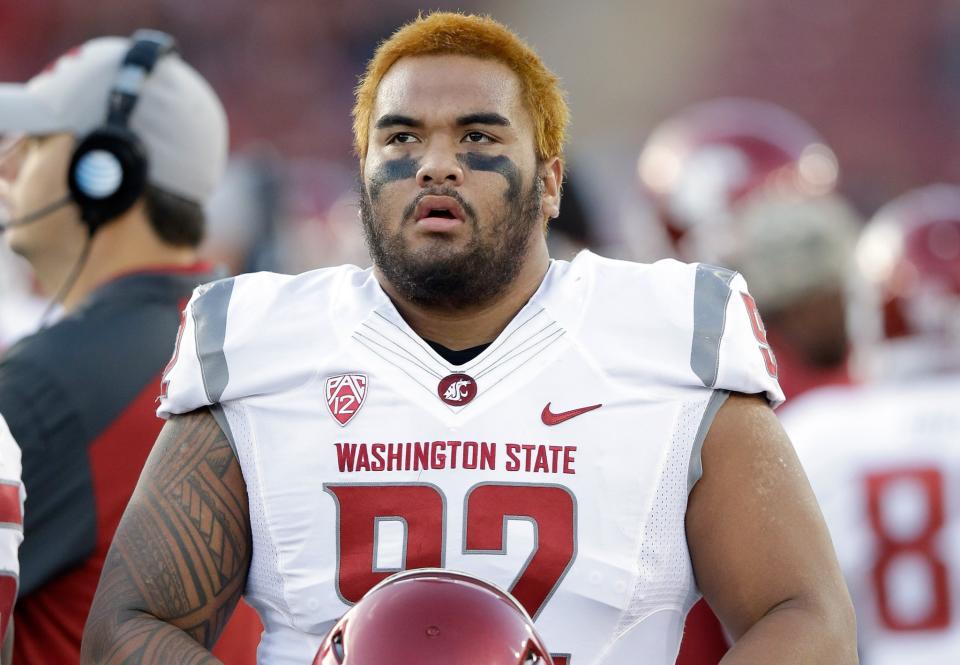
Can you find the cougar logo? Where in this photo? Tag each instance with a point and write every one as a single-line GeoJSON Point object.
{"type": "Point", "coordinates": [457, 392]}
{"type": "Point", "coordinates": [457, 389]}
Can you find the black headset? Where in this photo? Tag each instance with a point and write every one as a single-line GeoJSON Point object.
{"type": "Point", "coordinates": [108, 170]}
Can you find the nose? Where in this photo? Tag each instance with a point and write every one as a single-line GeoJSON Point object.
{"type": "Point", "coordinates": [439, 166]}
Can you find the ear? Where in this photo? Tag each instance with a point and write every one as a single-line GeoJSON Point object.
{"type": "Point", "coordinates": [552, 174]}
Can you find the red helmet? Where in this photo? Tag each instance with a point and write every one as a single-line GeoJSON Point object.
{"type": "Point", "coordinates": [434, 617]}
{"type": "Point", "coordinates": [909, 255]}
{"type": "Point", "coordinates": [699, 164]}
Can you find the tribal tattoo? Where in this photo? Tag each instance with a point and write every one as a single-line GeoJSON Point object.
{"type": "Point", "coordinates": [179, 560]}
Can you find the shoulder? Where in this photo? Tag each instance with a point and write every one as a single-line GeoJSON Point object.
{"type": "Point", "coordinates": [262, 332]}
{"type": "Point", "coordinates": [646, 295]}
{"type": "Point", "coordinates": [678, 324]}
{"type": "Point", "coordinates": [250, 298]}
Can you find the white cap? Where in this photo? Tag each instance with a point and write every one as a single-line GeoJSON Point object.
{"type": "Point", "coordinates": [790, 246]}
{"type": "Point", "coordinates": [178, 116]}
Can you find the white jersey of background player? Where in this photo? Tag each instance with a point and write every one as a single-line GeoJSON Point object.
{"type": "Point", "coordinates": [556, 464]}
{"type": "Point", "coordinates": [12, 496]}
{"type": "Point", "coordinates": [884, 462]}
{"type": "Point", "coordinates": [884, 458]}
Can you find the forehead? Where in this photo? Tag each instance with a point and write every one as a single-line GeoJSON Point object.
{"type": "Point", "coordinates": [439, 87]}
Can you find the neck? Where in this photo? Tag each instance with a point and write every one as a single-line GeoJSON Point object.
{"type": "Point", "coordinates": [126, 244]}
{"type": "Point", "coordinates": [464, 328]}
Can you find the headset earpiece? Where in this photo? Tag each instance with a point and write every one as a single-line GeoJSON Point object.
{"type": "Point", "coordinates": [108, 170]}
{"type": "Point", "coordinates": [108, 173]}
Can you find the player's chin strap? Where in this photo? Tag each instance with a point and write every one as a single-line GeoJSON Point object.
{"type": "Point", "coordinates": [70, 282]}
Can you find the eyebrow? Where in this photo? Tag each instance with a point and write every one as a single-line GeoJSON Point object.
{"type": "Point", "coordinates": [488, 118]}
{"type": "Point", "coordinates": [393, 119]}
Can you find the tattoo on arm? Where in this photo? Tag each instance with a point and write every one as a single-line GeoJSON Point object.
{"type": "Point", "coordinates": [179, 560]}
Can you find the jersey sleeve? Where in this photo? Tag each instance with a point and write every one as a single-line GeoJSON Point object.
{"type": "Point", "coordinates": [183, 387]}
{"type": "Point", "coordinates": [730, 350]}
{"type": "Point", "coordinates": [239, 337]}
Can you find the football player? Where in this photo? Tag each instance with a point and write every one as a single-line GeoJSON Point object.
{"type": "Point", "coordinates": [434, 617]}
{"type": "Point", "coordinates": [119, 143]}
{"type": "Point", "coordinates": [884, 458]}
{"type": "Point", "coordinates": [471, 403]}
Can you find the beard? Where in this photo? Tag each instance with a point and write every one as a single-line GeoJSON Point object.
{"type": "Point", "coordinates": [441, 277]}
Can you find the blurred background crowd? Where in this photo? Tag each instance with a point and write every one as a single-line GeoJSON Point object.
{"type": "Point", "coordinates": [879, 80]}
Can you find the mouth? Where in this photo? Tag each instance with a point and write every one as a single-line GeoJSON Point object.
{"type": "Point", "coordinates": [438, 213]}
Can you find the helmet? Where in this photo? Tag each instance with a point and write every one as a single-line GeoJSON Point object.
{"type": "Point", "coordinates": [699, 164]}
{"type": "Point", "coordinates": [434, 617]}
{"type": "Point", "coordinates": [909, 260]}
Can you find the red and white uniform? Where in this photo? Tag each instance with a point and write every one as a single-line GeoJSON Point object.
{"type": "Point", "coordinates": [12, 496]}
{"type": "Point", "coordinates": [556, 464]}
{"type": "Point", "coordinates": [884, 462]}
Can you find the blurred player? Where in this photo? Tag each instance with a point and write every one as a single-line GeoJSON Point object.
{"type": "Point", "coordinates": [12, 496]}
{"type": "Point", "coordinates": [884, 459]}
{"type": "Point", "coordinates": [797, 254]}
{"type": "Point", "coordinates": [120, 144]}
{"type": "Point", "coordinates": [434, 617]}
{"type": "Point", "coordinates": [469, 403]}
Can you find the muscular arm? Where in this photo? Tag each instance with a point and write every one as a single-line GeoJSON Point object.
{"type": "Point", "coordinates": [180, 556]}
{"type": "Point", "coordinates": [760, 548]}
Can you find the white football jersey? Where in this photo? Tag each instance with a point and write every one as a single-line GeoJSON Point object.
{"type": "Point", "coordinates": [12, 496]}
{"type": "Point", "coordinates": [557, 463]}
{"type": "Point", "coordinates": [884, 462]}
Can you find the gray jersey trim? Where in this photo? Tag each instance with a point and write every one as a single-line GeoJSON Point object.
{"type": "Point", "coordinates": [711, 293]}
{"type": "Point", "coordinates": [221, 417]}
{"type": "Point", "coordinates": [695, 468]}
{"type": "Point", "coordinates": [210, 331]}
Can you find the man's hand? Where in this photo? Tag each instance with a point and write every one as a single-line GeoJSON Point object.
{"type": "Point", "coordinates": [760, 548]}
{"type": "Point", "coordinates": [179, 560]}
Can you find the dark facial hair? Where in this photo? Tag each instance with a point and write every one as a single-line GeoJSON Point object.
{"type": "Point", "coordinates": [439, 277]}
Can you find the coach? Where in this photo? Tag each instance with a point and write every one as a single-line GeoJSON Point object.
{"type": "Point", "coordinates": [110, 154]}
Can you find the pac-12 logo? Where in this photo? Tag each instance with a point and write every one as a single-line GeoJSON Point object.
{"type": "Point", "coordinates": [457, 389]}
{"type": "Point", "coordinates": [345, 394]}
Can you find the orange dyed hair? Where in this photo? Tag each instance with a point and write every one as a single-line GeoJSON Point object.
{"type": "Point", "coordinates": [447, 33]}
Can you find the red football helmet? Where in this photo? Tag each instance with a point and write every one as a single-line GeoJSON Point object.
{"type": "Point", "coordinates": [909, 254]}
{"type": "Point", "coordinates": [906, 319]}
{"type": "Point", "coordinates": [434, 617]}
{"type": "Point", "coordinates": [699, 164]}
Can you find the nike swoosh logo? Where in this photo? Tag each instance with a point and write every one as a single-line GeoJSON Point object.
{"type": "Point", "coordinates": [550, 418]}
